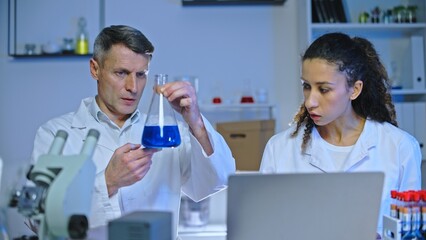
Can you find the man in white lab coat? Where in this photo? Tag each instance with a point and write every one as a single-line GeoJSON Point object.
{"type": "Point", "coordinates": [130, 177]}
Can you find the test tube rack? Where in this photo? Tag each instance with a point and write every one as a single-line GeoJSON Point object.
{"type": "Point", "coordinates": [391, 228]}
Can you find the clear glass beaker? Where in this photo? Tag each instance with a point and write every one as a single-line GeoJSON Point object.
{"type": "Point", "coordinates": [160, 130]}
{"type": "Point", "coordinates": [194, 214]}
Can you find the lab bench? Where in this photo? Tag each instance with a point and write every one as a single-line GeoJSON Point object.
{"type": "Point", "coordinates": [208, 232]}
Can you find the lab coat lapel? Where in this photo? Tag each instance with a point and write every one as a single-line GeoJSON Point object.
{"type": "Point", "coordinates": [366, 141]}
{"type": "Point", "coordinates": [321, 159]}
{"type": "Point", "coordinates": [138, 125]}
{"type": "Point", "coordinates": [318, 156]}
{"type": "Point", "coordinates": [82, 120]}
{"type": "Point", "coordinates": [135, 135]}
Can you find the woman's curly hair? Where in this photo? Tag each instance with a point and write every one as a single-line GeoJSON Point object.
{"type": "Point", "coordinates": [357, 59]}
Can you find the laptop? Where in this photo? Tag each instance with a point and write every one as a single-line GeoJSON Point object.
{"type": "Point", "coordinates": [332, 206]}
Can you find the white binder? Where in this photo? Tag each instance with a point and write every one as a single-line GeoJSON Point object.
{"type": "Point", "coordinates": [1, 170]}
{"type": "Point", "coordinates": [419, 125]}
{"type": "Point", "coordinates": [411, 117]}
{"type": "Point", "coordinates": [418, 62]}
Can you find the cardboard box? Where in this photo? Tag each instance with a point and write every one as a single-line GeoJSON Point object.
{"type": "Point", "coordinates": [247, 140]}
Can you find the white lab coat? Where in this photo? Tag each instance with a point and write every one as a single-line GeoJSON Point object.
{"type": "Point", "coordinates": [380, 147]}
{"type": "Point", "coordinates": [185, 168]}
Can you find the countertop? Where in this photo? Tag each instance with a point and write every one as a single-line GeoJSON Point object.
{"type": "Point", "coordinates": [208, 232]}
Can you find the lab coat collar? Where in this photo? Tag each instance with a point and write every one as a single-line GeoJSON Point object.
{"type": "Point", "coordinates": [81, 117]}
{"type": "Point", "coordinates": [88, 117]}
{"type": "Point", "coordinates": [319, 157]}
{"type": "Point", "coordinates": [88, 105]}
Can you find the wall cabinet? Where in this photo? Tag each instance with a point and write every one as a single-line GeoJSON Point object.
{"type": "Point", "coordinates": [401, 47]}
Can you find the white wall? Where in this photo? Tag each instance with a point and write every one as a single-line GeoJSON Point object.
{"type": "Point", "coordinates": [222, 45]}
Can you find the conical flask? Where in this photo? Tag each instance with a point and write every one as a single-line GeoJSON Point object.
{"type": "Point", "coordinates": [160, 130]}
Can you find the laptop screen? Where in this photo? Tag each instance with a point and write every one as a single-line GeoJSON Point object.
{"type": "Point", "coordinates": [304, 206]}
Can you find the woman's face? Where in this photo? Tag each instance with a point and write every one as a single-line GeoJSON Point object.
{"type": "Point", "coordinates": [326, 94]}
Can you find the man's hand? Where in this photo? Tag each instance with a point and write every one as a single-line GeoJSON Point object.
{"type": "Point", "coordinates": [182, 97]}
{"type": "Point", "coordinates": [128, 164]}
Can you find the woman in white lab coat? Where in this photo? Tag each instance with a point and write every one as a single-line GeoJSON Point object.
{"type": "Point", "coordinates": [347, 122]}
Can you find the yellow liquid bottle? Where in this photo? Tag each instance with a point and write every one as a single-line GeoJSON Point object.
{"type": "Point", "coordinates": [82, 41]}
{"type": "Point", "coordinates": [82, 46]}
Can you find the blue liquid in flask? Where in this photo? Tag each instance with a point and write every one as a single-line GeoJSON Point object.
{"type": "Point", "coordinates": [151, 137]}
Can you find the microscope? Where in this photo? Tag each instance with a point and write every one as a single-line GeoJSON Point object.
{"type": "Point", "coordinates": [61, 198]}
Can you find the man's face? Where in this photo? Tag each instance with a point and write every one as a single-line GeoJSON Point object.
{"type": "Point", "coordinates": [121, 81]}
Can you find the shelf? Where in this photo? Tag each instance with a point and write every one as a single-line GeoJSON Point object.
{"type": "Point", "coordinates": [238, 111]}
{"type": "Point", "coordinates": [369, 30]}
{"type": "Point", "coordinates": [50, 55]}
{"type": "Point", "coordinates": [408, 92]}
{"type": "Point", "coordinates": [407, 28]}
{"type": "Point", "coordinates": [28, 17]}
{"type": "Point", "coordinates": [237, 106]}
{"type": "Point", "coordinates": [231, 2]}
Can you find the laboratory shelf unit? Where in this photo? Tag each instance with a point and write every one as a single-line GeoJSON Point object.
{"type": "Point", "coordinates": [401, 46]}
{"type": "Point", "coordinates": [32, 56]}
{"type": "Point", "coordinates": [51, 24]}
{"type": "Point", "coordinates": [404, 29]}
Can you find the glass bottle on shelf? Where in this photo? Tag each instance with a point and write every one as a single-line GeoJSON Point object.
{"type": "Point", "coordinates": [160, 130]}
{"type": "Point", "coordinates": [68, 46]}
{"type": "Point", "coordinates": [411, 14]}
{"type": "Point", "coordinates": [82, 41]}
{"type": "Point", "coordinates": [398, 14]}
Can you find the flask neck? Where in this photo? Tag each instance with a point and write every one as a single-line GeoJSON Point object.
{"type": "Point", "coordinates": [160, 80]}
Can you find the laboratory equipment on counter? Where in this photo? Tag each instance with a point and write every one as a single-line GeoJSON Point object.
{"type": "Point", "coordinates": [61, 198]}
{"type": "Point", "coordinates": [160, 130]}
{"type": "Point", "coordinates": [407, 215]}
{"type": "Point", "coordinates": [194, 214]}
{"type": "Point", "coordinates": [146, 225]}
